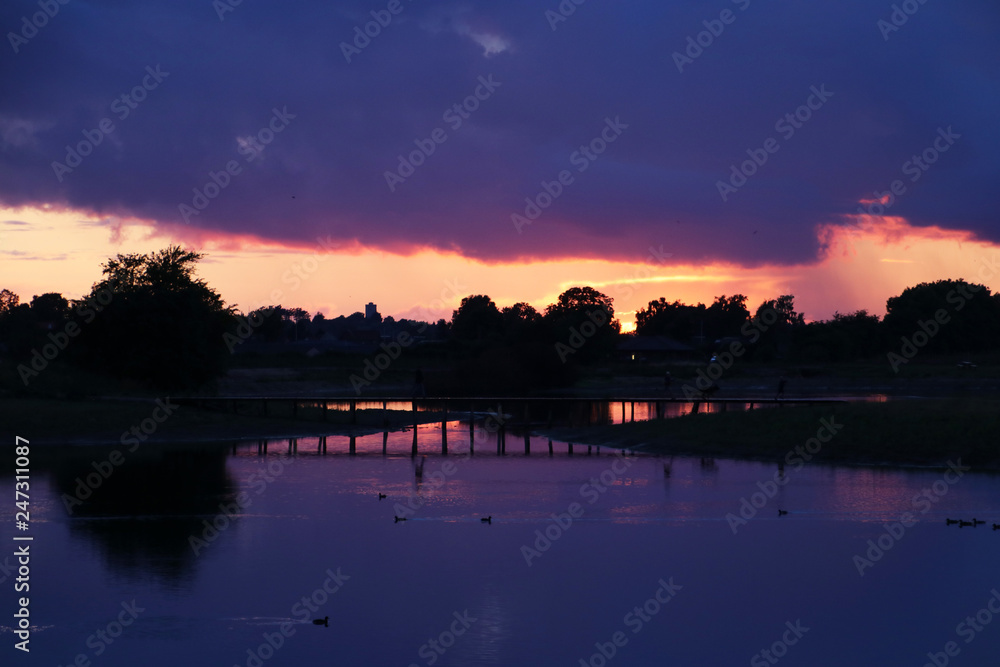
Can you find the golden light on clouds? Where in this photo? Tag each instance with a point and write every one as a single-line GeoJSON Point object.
{"type": "Point", "coordinates": [859, 266]}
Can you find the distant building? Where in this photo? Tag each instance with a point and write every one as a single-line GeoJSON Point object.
{"type": "Point", "coordinates": [653, 348]}
{"type": "Point", "coordinates": [372, 314]}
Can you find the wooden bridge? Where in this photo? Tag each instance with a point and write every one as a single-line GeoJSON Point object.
{"type": "Point", "coordinates": [499, 413]}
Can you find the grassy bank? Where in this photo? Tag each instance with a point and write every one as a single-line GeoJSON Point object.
{"type": "Point", "coordinates": [911, 432]}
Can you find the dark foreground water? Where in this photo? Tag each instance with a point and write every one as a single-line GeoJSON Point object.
{"type": "Point", "coordinates": [638, 567]}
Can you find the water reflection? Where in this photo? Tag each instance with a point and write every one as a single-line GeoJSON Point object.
{"type": "Point", "coordinates": [141, 513]}
{"type": "Point", "coordinates": [662, 517]}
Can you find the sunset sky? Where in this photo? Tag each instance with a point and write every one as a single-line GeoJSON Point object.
{"type": "Point", "coordinates": [623, 131]}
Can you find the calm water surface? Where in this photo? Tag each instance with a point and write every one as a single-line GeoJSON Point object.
{"type": "Point", "coordinates": [639, 533]}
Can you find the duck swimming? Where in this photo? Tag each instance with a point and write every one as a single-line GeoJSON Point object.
{"type": "Point", "coordinates": [325, 621]}
{"type": "Point", "coordinates": [487, 519]}
{"type": "Point", "coordinates": [381, 496]}
{"type": "Point", "coordinates": [399, 518]}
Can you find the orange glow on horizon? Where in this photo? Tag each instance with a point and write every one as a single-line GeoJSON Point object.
{"type": "Point", "coordinates": [858, 267]}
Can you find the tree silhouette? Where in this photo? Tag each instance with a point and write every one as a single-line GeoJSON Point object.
{"type": "Point", "coordinates": [677, 320]}
{"type": "Point", "coordinates": [8, 301]}
{"type": "Point", "coordinates": [856, 335]}
{"type": "Point", "coordinates": [50, 308]}
{"type": "Point", "coordinates": [583, 319]}
{"type": "Point", "coordinates": [268, 323]}
{"type": "Point", "coordinates": [580, 299]}
{"type": "Point", "coordinates": [521, 323]}
{"type": "Point", "coordinates": [779, 324]}
{"type": "Point", "coordinates": [154, 322]}
{"type": "Point", "coordinates": [963, 316]}
{"type": "Point", "coordinates": [726, 316]}
{"type": "Point", "coordinates": [476, 319]}
{"type": "Point", "coordinates": [784, 308]}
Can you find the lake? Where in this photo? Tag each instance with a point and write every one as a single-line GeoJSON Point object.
{"type": "Point", "coordinates": [215, 555]}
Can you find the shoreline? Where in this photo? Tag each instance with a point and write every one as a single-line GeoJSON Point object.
{"type": "Point", "coordinates": [904, 434]}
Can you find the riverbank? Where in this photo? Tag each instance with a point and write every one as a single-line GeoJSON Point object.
{"type": "Point", "coordinates": [917, 432]}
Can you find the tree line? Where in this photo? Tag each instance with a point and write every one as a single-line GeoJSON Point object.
{"type": "Point", "coordinates": [151, 321]}
{"type": "Point", "coordinates": [941, 317]}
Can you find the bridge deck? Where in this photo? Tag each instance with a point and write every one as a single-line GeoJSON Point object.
{"type": "Point", "coordinates": [509, 399]}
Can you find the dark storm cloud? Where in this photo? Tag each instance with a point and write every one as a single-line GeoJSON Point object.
{"type": "Point", "coordinates": [214, 90]}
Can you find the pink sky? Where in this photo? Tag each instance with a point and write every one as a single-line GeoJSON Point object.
{"type": "Point", "coordinates": [860, 267]}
